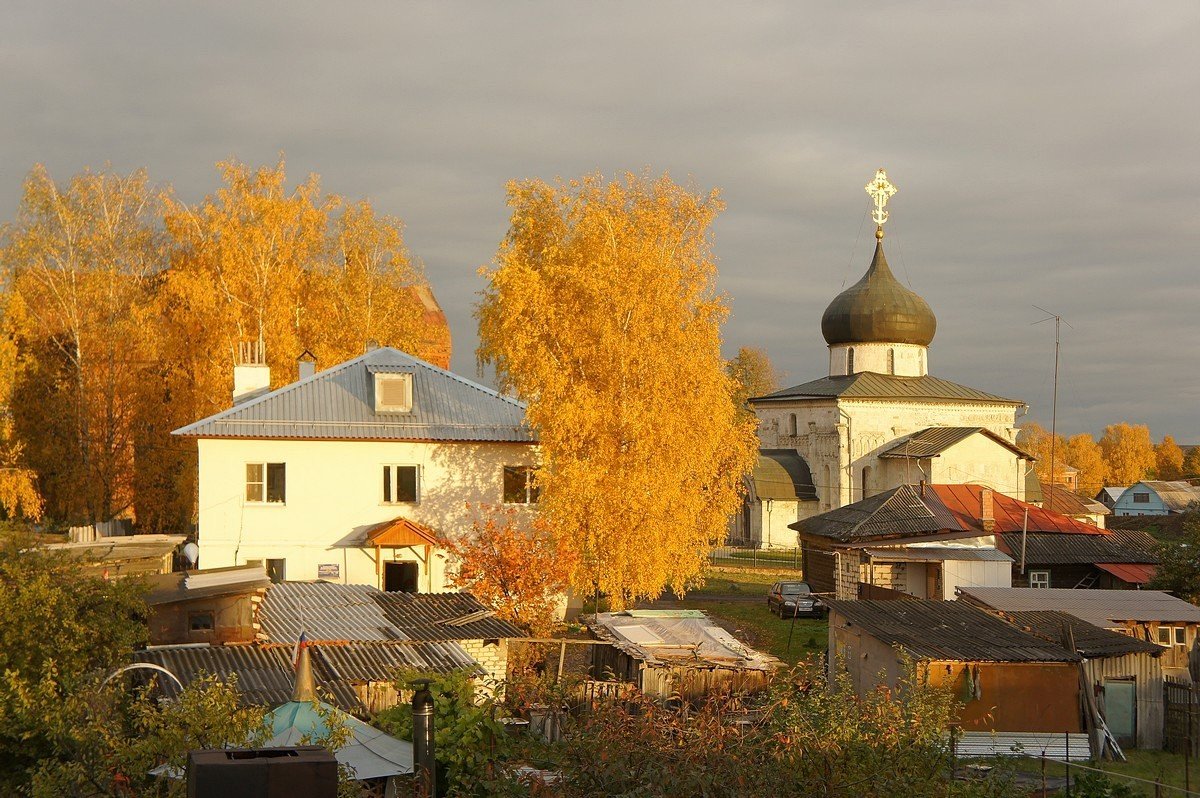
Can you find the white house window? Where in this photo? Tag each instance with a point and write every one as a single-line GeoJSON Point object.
{"type": "Point", "coordinates": [1141, 498]}
{"type": "Point", "coordinates": [519, 487]}
{"type": "Point", "coordinates": [266, 482]}
{"type": "Point", "coordinates": [393, 393]}
{"type": "Point", "coordinates": [1039, 579]}
{"type": "Point", "coordinates": [1172, 636]}
{"type": "Point", "coordinates": [401, 484]}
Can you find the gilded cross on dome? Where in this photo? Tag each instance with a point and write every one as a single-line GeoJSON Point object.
{"type": "Point", "coordinates": [881, 190]}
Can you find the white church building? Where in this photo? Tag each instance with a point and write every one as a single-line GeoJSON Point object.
{"type": "Point", "coordinates": [879, 419]}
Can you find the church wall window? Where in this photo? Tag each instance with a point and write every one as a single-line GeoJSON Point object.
{"type": "Point", "coordinates": [791, 425]}
{"type": "Point", "coordinates": [866, 475]}
{"type": "Point", "coordinates": [891, 361]}
{"type": "Point", "coordinates": [850, 360]}
{"type": "Point", "coordinates": [828, 488]}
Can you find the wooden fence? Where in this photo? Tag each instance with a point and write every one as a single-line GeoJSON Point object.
{"type": "Point", "coordinates": [1181, 716]}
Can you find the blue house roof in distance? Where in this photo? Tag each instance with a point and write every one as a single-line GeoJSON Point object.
{"type": "Point", "coordinates": [338, 404]}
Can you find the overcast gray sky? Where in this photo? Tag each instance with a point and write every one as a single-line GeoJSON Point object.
{"type": "Point", "coordinates": [1045, 153]}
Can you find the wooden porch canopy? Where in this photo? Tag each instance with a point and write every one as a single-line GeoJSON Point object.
{"type": "Point", "coordinates": [401, 533]}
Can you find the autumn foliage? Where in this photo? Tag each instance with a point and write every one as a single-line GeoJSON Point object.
{"type": "Point", "coordinates": [511, 562]}
{"type": "Point", "coordinates": [124, 308]}
{"type": "Point", "coordinates": [602, 314]}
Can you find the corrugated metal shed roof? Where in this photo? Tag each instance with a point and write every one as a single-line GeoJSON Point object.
{"type": "Point", "coordinates": [330, 611]}
{"type": "Point", "coordinates": [947, 630]}
{"type": "Point", "coordinates": [783, 474]}
{"type": "Point", "coordinates": [932, 441]}
{"type": "Point", "coordinates": [1090, 640]}
{"type": "Point", "coordinates": [1177, 496]}
{"type": "Point", "coordinates": [338, 404]}
{"type": "Point", "coordinates": [360, 662]}
{"type": "Point", "coordinates": [678, 639]}
{"type": "Point", "coordinates": [1105, 608]}
{"type": "Point", "coordinates": [1051, 548]}
{"type": "Point", "coordinates": [172, 587]}
{"type": "Point", "coordinates": [264, 675]}
{"type": "Point", "coordinates": [869, 385]}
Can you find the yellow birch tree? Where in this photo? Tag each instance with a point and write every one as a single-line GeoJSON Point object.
{"type": "Point", "coordinates": [1168, 459]}
{"type": "Point", "coordinates": [1084, 453]}
{"type": "Point", "coordinates": [601, 313]}
{"type": "Point", "coordinates": [79, 262]}
{"type": "Point", "coordinates": [1129, 452]}
{"type": "Point", "coordinates": [753, 373]}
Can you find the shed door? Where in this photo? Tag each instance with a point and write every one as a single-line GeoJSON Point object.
{"type": "Point", "coordinates": [1120, 709]}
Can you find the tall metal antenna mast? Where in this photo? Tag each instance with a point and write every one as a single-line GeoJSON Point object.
{"type": "Point", "coordinates": [1058, 322]}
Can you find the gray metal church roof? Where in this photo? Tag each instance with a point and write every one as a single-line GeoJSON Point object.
{"type": "Point", "coordinates": [869, 385]}
{"type": "Point", "coordinates": [338, 404]}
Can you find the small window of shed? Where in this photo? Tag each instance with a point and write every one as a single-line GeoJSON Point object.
{"type": "Point", "coordinates": [393, 393]}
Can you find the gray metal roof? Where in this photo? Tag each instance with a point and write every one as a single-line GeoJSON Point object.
{"type": "Point", "coordinates": [939, 554]}
{"type": "Point", "coordinates": [1090, 640]}
{"type": "Point", "coordinates": [1051, 548]}
{"type": "Point", "coordinates": [338, 404]}
{"type": "Point", "coordinates": [334, 612]}
{"type": "Point", "coordinates": [869, 385]}
{"type": "Point", "coordinates": [783, 474]}
{"type": "Point", "coordinates": [1105, 608]}
{"type": "Point", "coordinates": [947, 630]}
{"type": "Point", "coordinates": [932, 441]}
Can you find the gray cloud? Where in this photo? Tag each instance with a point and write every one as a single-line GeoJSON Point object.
{"type": "Point", "coordinates": [1046, 153]}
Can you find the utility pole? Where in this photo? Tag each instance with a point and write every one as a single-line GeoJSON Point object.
{"type": "Point", "coordinates": [1058, 322]}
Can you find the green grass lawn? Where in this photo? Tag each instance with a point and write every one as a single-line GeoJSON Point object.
{"type": "Point", "coordinates": [759, 628]}
{"type": "Point", "coordinates": [736, 581]}
{"type": "Point", "coordinates": [1147, 765]}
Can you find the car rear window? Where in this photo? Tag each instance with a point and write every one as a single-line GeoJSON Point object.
{"type": "Point", "coordinates": [794, 588]}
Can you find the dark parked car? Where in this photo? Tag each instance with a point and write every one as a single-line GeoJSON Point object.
{"type": "Point", "coordinates": [793, 599]}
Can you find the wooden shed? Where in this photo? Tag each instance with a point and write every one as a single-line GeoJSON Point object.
{"type": "Point", "coordinates": [675, 653]}
{"type": "Point", "coordinates": [1008, 680]}
{"type": "Point", "coordinates": [1125, 673]}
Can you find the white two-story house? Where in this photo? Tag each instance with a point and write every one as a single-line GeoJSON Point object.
{"type": "Point", "coordinates": [352, 473]}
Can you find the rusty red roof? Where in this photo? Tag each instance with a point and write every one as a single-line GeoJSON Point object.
{"type": "Point", "coordinates": [965, 502]}
{"type": "Point", "coordinates": [1133, 573]}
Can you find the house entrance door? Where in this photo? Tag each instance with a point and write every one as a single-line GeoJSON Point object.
{"type": "Point", "coordinates": [1120, 710]}
{"type": "Point", "coordinates": [933, 581]}
{"type": "Point", "coordinates": [400, 577]}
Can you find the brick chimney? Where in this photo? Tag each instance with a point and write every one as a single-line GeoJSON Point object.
{"type": "Point", "coordinates": [987, 510]}
{"type": "Point", "coordinates": [251, 374]}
